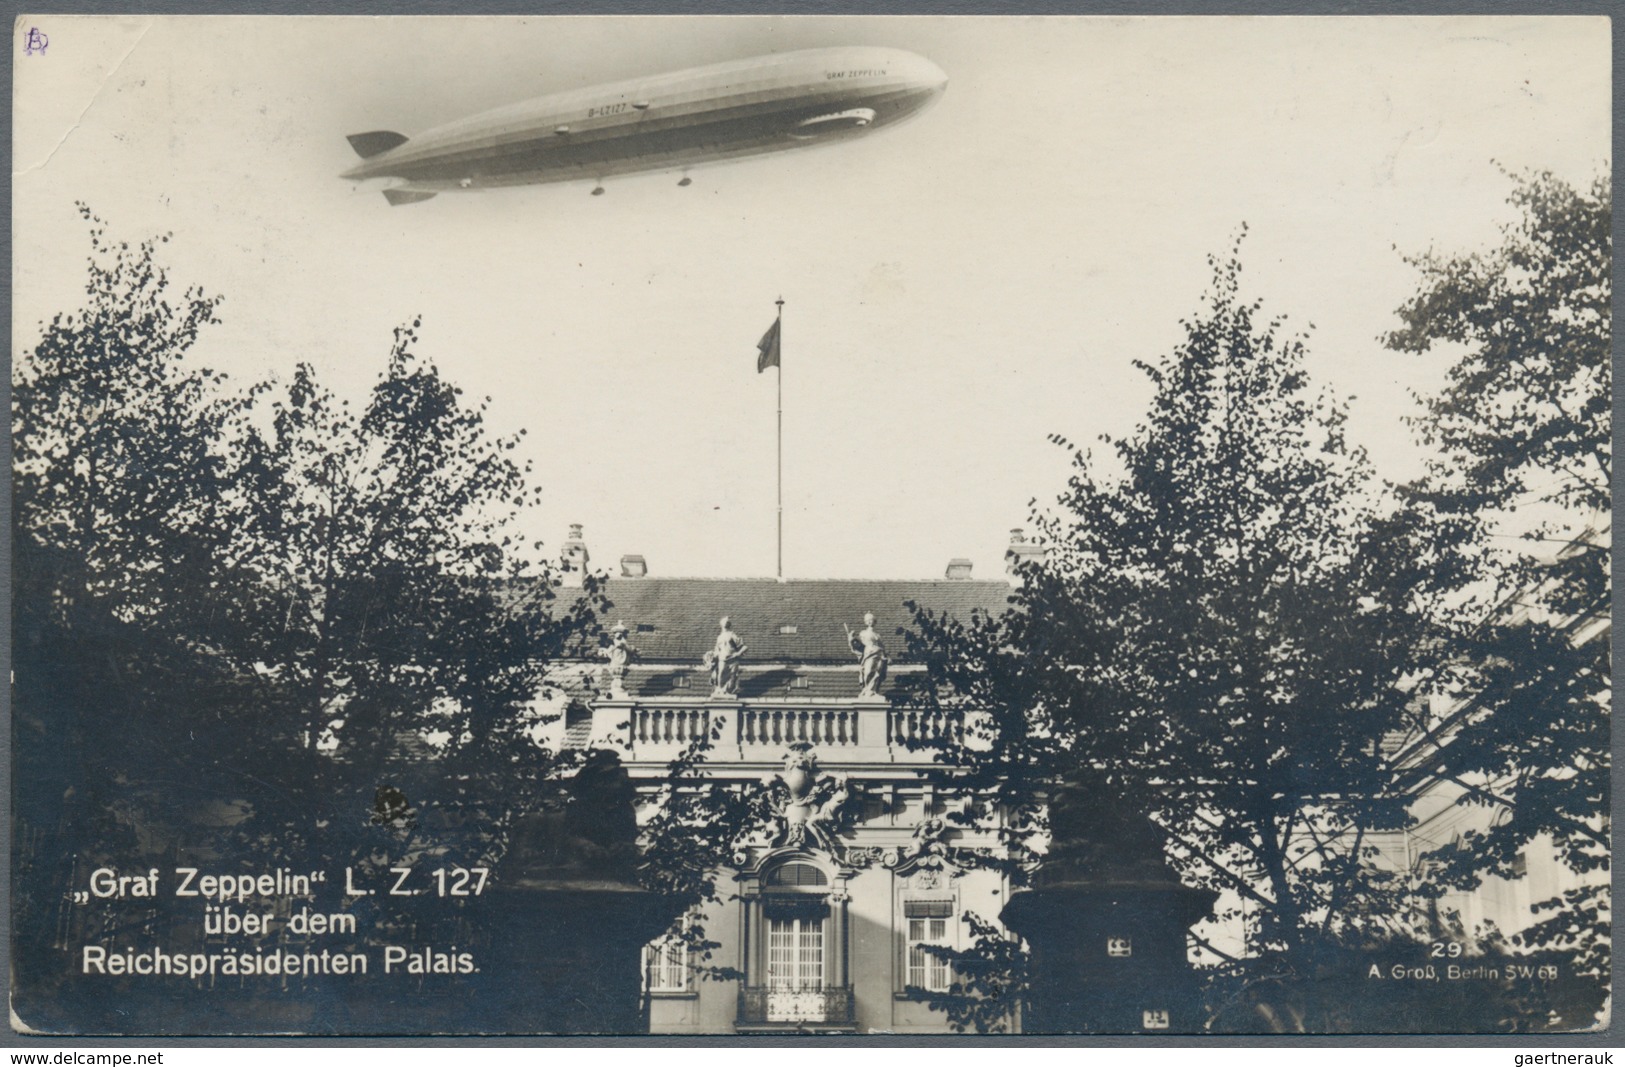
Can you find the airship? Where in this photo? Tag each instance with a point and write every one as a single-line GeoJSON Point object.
{"type": "Point", "coordinates": [662, 122]}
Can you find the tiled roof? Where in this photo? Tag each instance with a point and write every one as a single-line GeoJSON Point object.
{"type": "Point", "coordinates": [675, 619]}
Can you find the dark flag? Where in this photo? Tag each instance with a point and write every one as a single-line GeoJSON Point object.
{"type": "Point", "coordinates": [768, 348]}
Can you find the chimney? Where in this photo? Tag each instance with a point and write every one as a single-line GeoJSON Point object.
{"type": "Point", "coordinates": [633, 567]}
{"type": "Point", "coordinates": [573, 557]}
{"type": "Point", "coordinates": [958, 569]}
{"type": "Point", "coordinates": [1020, 552]}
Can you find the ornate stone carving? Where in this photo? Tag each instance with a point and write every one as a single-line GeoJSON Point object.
{"type": "Point", "coordinates": [861, 856]}
{"type": "Point", "coordinates": [927, 844]}
{"type": "Point", "coordinates": [872, 658]}
{"type": "Point", "coordinates": [723, 661]}
{"type": "Point", "coordinates": [814, 810]}
{"type": "Point", "coordinates": [930, 878]}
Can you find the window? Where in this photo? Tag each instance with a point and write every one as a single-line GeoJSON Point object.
{"type": "Point", "coordinates": [787, 628]}
{"type": "Point", "coordinates": [928, 926]}
{"type": "Point", "coordinates": [797, 874]}
{"type": "Point", "coordinates": [795, 953]}
{"type": "Point", "coordinates": [665, 962]}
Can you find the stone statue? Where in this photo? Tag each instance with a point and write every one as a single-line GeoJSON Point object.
{"type": "Point", "coordinates": [723, 661]}
{"type": "Point", "coordinates": [872, 658]}
{"type": "Point", "coordinates": [621, 655]}
{"type": "Point", "coordinates": [825, 824]}
{"type": "Point", "coordinates": [927, 846]}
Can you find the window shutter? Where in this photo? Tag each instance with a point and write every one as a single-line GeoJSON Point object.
{"type": "Point", "coordinates": [797, 907]}
{"type": "Point", "coordinates": [928, 909]}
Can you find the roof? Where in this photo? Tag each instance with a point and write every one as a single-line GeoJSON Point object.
{"type": "Point", "coordinates": [676, 619]}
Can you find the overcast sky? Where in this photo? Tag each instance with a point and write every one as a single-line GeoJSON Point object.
{"type": "Point", "coordinates": [955, 289]}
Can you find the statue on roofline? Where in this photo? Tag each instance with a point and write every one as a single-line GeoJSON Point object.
{"type": "Point", "coordinates": [723, 661]}
{"type": "Point", "coordinates": [872, 658]}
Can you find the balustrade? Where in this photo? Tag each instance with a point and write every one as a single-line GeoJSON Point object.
{"type": "Point", "coordinates": [786, 726]}
{"type": "Point", "coordinates": [923, 727]}
{"type": "Point", "coordinates": [775, 727]}
{"type": "Point", "coordinates": [669, 726]}
{"type": "Point", "coordinates": [812, 1004]}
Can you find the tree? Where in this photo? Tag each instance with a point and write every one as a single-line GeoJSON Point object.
{"type": "Point", "coordinates": [120, 486]}
{"type": "Point", "coordinates": [1221, 634]}
{"type": "Point", "coordinates": [255, 627]}
{"type": "Point", "coordinates": [393, 593]}
{"type": "Point", "coordinates": [1523, 433]}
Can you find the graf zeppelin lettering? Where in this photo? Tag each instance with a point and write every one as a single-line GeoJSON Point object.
{"type": "Point", "coordinates": [268, 903]}
{"type": "Point", "coordinates": [454, 881]}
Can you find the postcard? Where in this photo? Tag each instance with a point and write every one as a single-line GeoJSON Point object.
{"type": "Point", "coordinates": [811, 525]}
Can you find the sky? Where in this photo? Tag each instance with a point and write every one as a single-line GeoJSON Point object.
{"type": "Point", "coordinates": [956, 289]}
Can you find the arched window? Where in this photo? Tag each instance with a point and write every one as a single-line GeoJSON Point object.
{"type": "Point", "coordinates": [796, 910]}
{"type": "Point", "coordinates": [796, 876]}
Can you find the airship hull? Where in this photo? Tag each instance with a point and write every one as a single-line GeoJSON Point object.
{"type": "Point", "coordinates": [664, 122]}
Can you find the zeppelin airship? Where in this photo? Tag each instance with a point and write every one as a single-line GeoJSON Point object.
{"type": "Point", "coordinates": [662, 122]}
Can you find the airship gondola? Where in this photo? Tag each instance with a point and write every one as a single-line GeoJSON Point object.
{"type": "Point", "coordinates": [662, 122]}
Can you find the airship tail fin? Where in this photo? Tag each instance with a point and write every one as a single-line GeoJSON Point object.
{"type": "Point", "coordinates": [397, 197]}
{"type": "Point", "coordinates": [375, 142]}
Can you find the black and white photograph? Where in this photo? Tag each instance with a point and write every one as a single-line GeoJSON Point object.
{"type": "Point", "coordinates": [763, 526]}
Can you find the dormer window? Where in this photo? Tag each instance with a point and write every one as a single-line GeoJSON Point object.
{"type": "Point", "coordinates": [787, 628]}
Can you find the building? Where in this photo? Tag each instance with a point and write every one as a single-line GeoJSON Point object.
{"type": "Point", "coordinates": [831, 916]}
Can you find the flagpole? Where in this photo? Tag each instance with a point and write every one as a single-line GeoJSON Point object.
{"type": "Point", "coordinates": [779, 324]}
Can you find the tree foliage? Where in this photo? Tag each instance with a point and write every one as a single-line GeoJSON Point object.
{"type": "Point", "coordinates": [1523, 430]}
{"type": "Point", "coordinates": [255, 626]}
{"type": "Point", "coordinates": [1221, 634]}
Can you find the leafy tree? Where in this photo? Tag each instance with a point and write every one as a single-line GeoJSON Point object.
{"type": "Point", "coordinates": [394, 598]}
{"type": "Point", "coordinates": [1523, 431]}
{"type": "Point", "coordinates": [256, 627]}
{"type": "Point", "coordinates": [120, 486]}
{"type": "Point", "coordinates": [1221, 635]}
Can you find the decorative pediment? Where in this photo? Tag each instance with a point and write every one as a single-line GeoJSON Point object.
{"type": "Point", "coordinates": [930, 851]}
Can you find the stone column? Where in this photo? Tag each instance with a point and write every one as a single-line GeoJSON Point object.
{"type": "Point", "coordinates": [837, 939]}
{"type": "Point", "coordinates": [1105, 921]}
{"type": "Point", "coordinates": [571, 918]}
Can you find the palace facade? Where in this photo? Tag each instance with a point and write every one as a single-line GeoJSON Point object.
{"type": "Point", "coordinates": [830, 917]}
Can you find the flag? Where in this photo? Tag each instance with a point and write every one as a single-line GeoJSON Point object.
{"type": "Point", "coordinates": [767, 348]}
